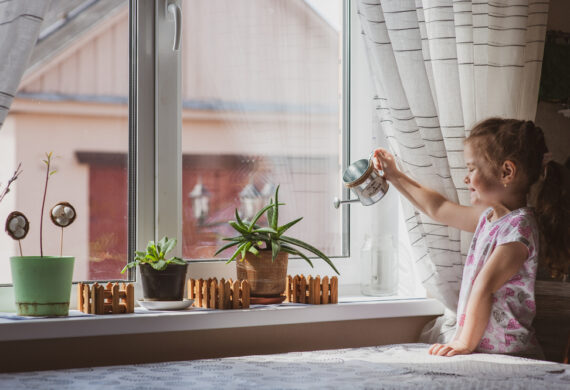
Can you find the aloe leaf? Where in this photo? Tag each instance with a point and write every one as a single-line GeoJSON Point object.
{"type": "Point", "coordinates": [275, 215]}
{"type": "Point", "coordinates": [257, 216]}
{"type": "Point", "coordinates": [239, 220]}
{"type": "Point", "coordinates": [253, 250]}
{"type": "Point", "coordinates": [310, 248]}
{"type": "Point", "coordinates": [226, 247]}
{"type": "Point", "coordinates": [270, 212]}
{"type": "Point", "coordinates": [265, 230]}
{"type": "Point", "coordinates": [284, 228]}
{"type": "Point", "coordinates": [236, 253]}
{"type": "Point", "coordinates": [238, 227]}
{"type": "Point", "coordinates": [245, 248]}
{"type": "Point", "coordinates": [275, 249]}
{"type": "Point", "coordinates": [295, 252]}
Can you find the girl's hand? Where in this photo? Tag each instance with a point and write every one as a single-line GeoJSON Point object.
{"type": "Point", "coordinates": [385, 161]}
{"type": "Point", "coordinates": [451, 349]}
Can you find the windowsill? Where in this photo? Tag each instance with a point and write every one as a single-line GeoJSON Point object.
{"type": "Point", "coordinates": [142, 321]}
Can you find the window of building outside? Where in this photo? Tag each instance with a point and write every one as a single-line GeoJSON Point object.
{"type": "Point", "coordinates": [261, 107]}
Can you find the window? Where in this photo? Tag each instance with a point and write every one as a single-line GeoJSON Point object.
{"type": "Point", "coordinates": [261, 90]}
{"type": "Point", "coordinates": [73, 101]}
{"type": "Point", "coordinates": [256, 96]}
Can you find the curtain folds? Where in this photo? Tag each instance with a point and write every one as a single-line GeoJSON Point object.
{"type": "Point", "coordinates": [438, 67]}
{"type": "Point", "coordinates": [20, 22]}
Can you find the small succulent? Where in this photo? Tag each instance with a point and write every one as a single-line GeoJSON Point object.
{"type": "Point", "coordinates": [155, 255]}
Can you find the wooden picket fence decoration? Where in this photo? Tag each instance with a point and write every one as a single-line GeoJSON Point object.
{"type": "Point", "coordinates": [311, 290]}
{"type": "Point", "coordinates": [225, 294]}
{"type": "Point", "coordinates": [114, 298]}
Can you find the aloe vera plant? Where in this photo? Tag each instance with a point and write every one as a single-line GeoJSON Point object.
{"type": "Point", "coordinates": [254, 238]}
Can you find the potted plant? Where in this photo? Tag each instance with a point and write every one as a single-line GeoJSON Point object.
{"type": "Point", "coordinates": [263, 251]}
{"type": "Point", "coordinates": [42, 284]}
{"type": "Point", "coordinates": [162, 279]}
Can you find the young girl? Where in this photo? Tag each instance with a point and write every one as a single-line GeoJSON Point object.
{"type": "Point", "coordinates": [504, 157]}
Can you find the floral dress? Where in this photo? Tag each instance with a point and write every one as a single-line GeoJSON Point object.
{"type": "Point", "coordinates": [510, 326]}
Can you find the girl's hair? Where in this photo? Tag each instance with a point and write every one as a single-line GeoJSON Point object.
{"type": "Point", "coordinates": [523, 143]}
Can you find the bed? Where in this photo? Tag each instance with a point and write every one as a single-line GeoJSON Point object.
{"type": "Point", "coordinates": [402, 366]}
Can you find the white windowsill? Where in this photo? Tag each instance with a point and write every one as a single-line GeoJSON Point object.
{"type": "Point", "coordinates": [200, 319]}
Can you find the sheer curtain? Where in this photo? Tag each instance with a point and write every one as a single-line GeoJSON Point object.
{"type": "Point", "coordinates": [438, 67]}
{"type": "Point", "coordinates": [20, 22]}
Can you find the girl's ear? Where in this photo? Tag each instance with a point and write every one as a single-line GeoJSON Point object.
{"type": "Point", "coordinates": [508, 172]}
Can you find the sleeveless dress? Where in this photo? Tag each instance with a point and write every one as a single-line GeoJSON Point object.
{"type": "Point", "coordinates": [509, 329]}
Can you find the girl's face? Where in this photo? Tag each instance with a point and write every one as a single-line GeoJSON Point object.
{"type": "Point", "coordinates": [484, 184]}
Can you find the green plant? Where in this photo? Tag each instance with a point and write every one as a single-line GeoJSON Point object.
{"type": "Point", "coordinates": [47, 161]}
{"type": "Point", "coordinates": [254, 238]}
{"type": "Point", "coordinates": [155, 255]}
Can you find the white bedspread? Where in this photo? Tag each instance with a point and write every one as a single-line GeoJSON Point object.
{"type": "Point", "coordinates": [402, 366]}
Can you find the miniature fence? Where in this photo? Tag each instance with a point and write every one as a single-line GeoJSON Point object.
{"type": "Point", "coordinates": [114, 298]}
{"type": "Point", "coordinates": [313, 290]}
{"type": "Point", "coordinates": [225, 294]}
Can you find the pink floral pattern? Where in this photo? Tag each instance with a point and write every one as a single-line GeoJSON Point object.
{"type": "Point", "coordinates": [510, 325]}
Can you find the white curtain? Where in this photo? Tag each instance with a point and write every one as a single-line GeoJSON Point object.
{"type": "Point", "coordinates": [20, 22]}
{"type": "Point", "coordinates": [438, 67]}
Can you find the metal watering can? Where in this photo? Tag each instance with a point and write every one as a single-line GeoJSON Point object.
{"type": "Point", "coordinates": [365, 182]}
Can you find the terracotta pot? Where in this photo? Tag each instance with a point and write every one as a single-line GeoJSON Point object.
{"type": "Point", "coordinates": [266, 278]}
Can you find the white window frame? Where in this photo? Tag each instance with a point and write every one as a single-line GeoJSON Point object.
{"type": "Point", "coordinates": [165, 144]}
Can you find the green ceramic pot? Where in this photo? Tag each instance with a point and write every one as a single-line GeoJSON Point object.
{"type": "Point", "coordinates": [42, 285]}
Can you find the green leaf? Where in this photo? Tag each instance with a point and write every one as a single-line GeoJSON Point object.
{"type": "Point", "coordinates": [52, 172]}
{"type": "Point", "coordinates": [275, 215]}
{"type": "Point", "coordinates": [254, 250]}
{"type": "Point", "coordinates": [257, 216]}
{"type": "Point", "coordinates": [265, 230]}
{"type": "Point", "coordinates": [295, 252]}
{"type": "Point", "coordinates": [310, 248]}
{"type": "Point", "coordinates": [285, 227]}
{"type": "Point", "coordinates": [270, 212]}
{"type": "Point", "coordinates": [130, 265]}
{"type": "Point", "coordinates": [238, 227]}
{"type": "Point", "coordinates": [236, 253]}
{"type": "Point", "coordinates": [159, 265]}
{"type": "Point", "coordinates": [245, 249]}
{"type": "Point", "coordinates": [226, 247]}
{"type": "Point", "coordinates": [176, 260]}
{"type": "Point", "coordinates": [239, 220]}
{"type": "Point", "coordinates": [275, 249]}
{"type": "Point", "coordinates": [168, 245]}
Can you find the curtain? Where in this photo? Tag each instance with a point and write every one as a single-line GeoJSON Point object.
{"type": "Point", "coordinates": [439, 66]}
{"type": "Point", "coordinates": [20, 22]}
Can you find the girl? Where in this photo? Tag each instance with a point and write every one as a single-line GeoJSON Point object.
{"type": "Point", "coordinates": [496, 305]}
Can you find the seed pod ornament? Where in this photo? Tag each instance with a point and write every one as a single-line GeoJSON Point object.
{"type": "Point", "coordinates": [17, 227]}
{"type": "Point", "coordinates": [62, 214]}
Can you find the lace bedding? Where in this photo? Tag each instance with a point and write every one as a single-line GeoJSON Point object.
{"type": "Point", "coordinates": [402, 366]}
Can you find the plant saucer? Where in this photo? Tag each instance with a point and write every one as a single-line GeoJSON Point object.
{"type": "Point", "coordinates": [165, 305]}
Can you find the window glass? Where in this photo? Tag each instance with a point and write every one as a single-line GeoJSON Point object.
{"type": "Point", "coordinates": [262, 83]}
{"type": "Point", "coordinates": [73, 101]}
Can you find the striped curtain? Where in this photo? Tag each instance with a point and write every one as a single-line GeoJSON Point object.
{"type": "Point", "coordinates": [438, 67]}
{"type": "Point", "coordinates": [20, 22]}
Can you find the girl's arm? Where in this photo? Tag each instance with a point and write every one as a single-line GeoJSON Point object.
{"type": "Point", "coordinates": [502, 265]}
{"type": "Point", "coordinates": [426, 200]}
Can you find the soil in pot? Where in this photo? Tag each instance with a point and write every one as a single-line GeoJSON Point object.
{"type": "Point", "coordinates": [266, 278]}
{"type": "Point", "coordinates": [165, 285]}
